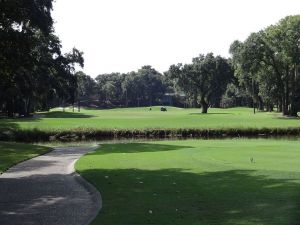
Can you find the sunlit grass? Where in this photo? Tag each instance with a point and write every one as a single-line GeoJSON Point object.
{"type": "Point", "coordinates": [143, 118]}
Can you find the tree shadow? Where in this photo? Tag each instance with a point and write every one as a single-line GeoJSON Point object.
{"type": "Point", "coordinates": [11, 123]}
{"type": "Point", "coordinates": [93, 108]}
{"type": "Point", "coordinates": [177, 197]}
{"type": "Point", "coordinates": [7, 125]}
{"type": "Point", "coordinates": [287, 118]}
{"type": "Point", "coordinates": [13, 153]}
{"type": "Point", "coordinates": [211, 113]}
{"type": "Point", "coordinates": [57, 114]}
{"type": "Point", "coordinates": [137, 148]}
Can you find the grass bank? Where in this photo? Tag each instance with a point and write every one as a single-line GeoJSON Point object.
{"type": "Point", "coordinates": [92, 134]}
{"type": "Point", "coordinates": [192, 182]}
{"type": "Point", "coordinates": [13, 153]}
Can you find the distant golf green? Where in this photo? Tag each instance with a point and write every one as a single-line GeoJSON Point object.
{"type": "Point", "coordinates": [142, 118]}
{"type": "Point", "coordinates": [13, 153]}
{"type": "Point", "coordinates": [196, 182]}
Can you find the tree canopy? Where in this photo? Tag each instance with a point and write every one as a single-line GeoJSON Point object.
{"type": "Point", "coordinates": [268, 63]}
{"type": "Point", "coordinates": [33, 70]}
{"type": "Point", "coordinates": [205, 78]}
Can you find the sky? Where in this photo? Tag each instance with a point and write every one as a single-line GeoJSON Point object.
{"type": "Point", "coordinates": [123, 35]}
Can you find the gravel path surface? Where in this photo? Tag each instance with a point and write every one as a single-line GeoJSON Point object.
{"type": "Point", "coordinates": [45, 191]}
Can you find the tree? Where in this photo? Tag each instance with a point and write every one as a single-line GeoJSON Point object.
{"type": "Point", "coordinates": [22, 24]}
{"type": "Point", "coordinates": [270, 58]}
{"type": "Point", "coordinates": [207, 76]}
{"type": "Point", "coordinates": [151, 85]}
{"type": "Point", "coordinates": [32, 67]}
{"type": "Point", "coordinates": [85, 85]}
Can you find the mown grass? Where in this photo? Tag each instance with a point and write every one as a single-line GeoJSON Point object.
{"type": "Point", "coordinates": [229, 182]}
{"type": "Point", "coordinates": [143, 118]}
{"type": "Point", "coordinates": [13, 153]}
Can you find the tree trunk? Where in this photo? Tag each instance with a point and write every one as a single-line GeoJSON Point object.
{"type": "Point", "coordinates": [285, 108]}
{"type": "Point", "coordinates": [28, 106]}
{"type": "Point", "coordinates": [63, 104]}
{"type": "Point", "coordinates": [260, 104]}
{"type": "Point", "coordinates": [195, 101]}
{"type": "Point", "coordinates": [286, 95]}
{"type": "Point", "coordinates": [294, 108]}
{"type": "Point", "coordinates": [279, 106]}
{"type": "Point", "coordinates": [270, 107]}
{"type": "Point", "coordinates": [204, 105]}
{"type": "Point", "coordinates": [10, 109]}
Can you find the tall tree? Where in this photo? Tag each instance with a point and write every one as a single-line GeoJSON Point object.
{"type": "Point", "coordinates": [270, 58]}
{"type": "Point", "coordinates": [207, 76]}
{"type": "Point", "coordinates": [32, 67]}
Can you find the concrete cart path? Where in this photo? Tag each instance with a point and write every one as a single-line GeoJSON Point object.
{"type": "Point", "coordinates": [45, 190]}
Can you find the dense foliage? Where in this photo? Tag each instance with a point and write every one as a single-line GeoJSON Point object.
{"type": "Point", "coordinates": [144, 87]}
{"type": "Point", "coordinates": [267, 65]}
{"type": "Point", "coordinates": [33, 71]}
{"type": "Point", "coordinates": [205, 79]}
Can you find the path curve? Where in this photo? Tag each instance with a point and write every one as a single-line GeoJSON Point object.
{"type": "Point", "coordinates": [46, 190]}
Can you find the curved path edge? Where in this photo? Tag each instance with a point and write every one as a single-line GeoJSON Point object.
{"type": "Point", "coordinates": [94, 193]}
{"type": "Point", "coordinates": [47, 190]}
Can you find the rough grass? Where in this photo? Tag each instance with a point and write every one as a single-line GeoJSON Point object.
{"type": "Point", "coordinates": [13, 153]}
{"type": "Point", "coordinates": [229, 182]}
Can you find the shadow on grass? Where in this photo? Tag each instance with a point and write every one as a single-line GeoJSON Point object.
{"type": "Point", "coordinates": [177, 197]}
{"type": "Point", "coordinates": [137, 148]}
{"type": "Point", "coordinates": [11, 123]}
{"type": "Point", "coordinates": [6, 125]}
{"type": "Point", "coordinates": [57, 114]}
{"type": "Point", "coordinates": [12, 153]}
{"type": "Point", "coordinates": [211, 113]}
{"type": "Point", "coordinates": [287, 118]}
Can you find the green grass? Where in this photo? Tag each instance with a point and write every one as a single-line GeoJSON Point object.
{"type": "Point", "coordinates": [13, 153]}
{"type": "Point", "coordinates": [196, 182]}
{"type": "Point", "coordinates": [143, 118]}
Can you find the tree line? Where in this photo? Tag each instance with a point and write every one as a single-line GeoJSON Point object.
{"type": "Point", "coordinates": [263, 71]}
{"type": "Point", "coordinates": [144, 87]}
{"type": "Point", "coordinates": [204, 80]}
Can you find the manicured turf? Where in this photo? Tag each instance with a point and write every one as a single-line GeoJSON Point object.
{"type": "Point", "coordinates": [13, 153]}
{"type": "Point", "coordinates": [140, 118]}
{"type": "Point", "coordinates": [197, 182]}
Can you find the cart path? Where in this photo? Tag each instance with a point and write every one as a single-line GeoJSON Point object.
{"type": "Point", "coordinates": [45, 191]}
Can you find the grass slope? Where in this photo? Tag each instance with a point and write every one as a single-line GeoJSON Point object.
{"type": "Point", "coordinates": [141, 118]}
{"type": "Point", "coordinates": [13, 153]}
{"type": "Point", "coordinates": [196, 182]}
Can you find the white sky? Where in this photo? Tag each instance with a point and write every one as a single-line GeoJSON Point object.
{"type": "Point", "coordinates": [123, 35]}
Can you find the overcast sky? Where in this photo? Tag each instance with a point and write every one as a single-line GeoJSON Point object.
{"type": "Point", "coordinates": [123, 35]}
